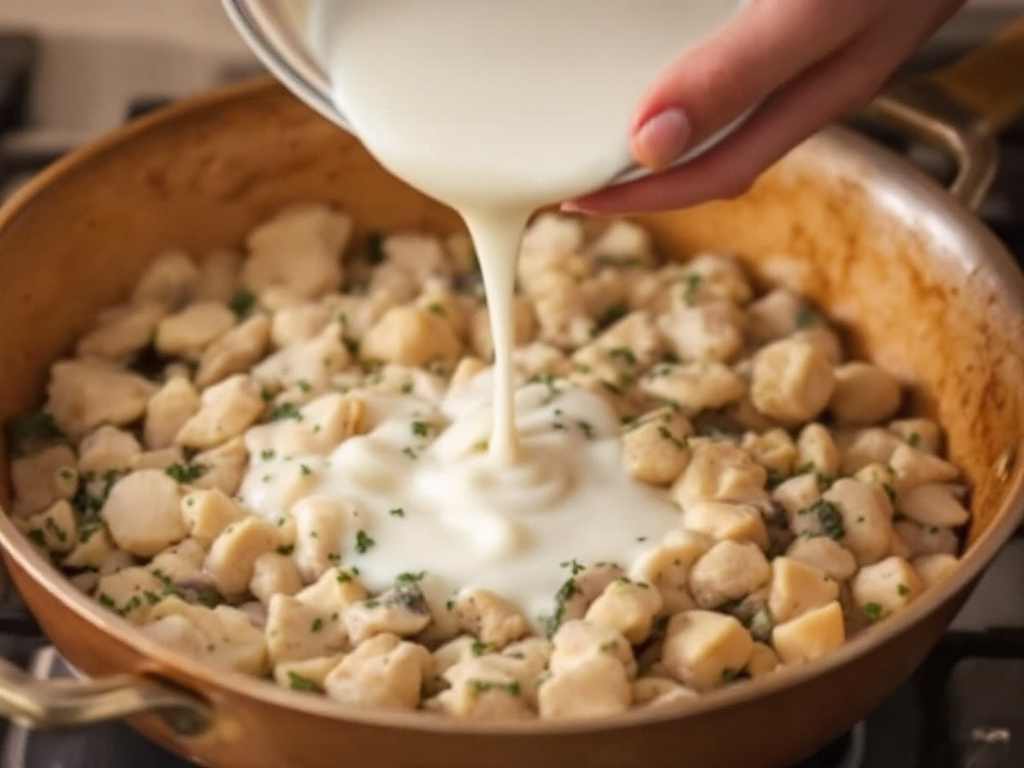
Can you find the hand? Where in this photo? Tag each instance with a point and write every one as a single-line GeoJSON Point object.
{"type": "Point", "coordinates": [798, 64]}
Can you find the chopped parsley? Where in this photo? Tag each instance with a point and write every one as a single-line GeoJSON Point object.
{"type": "Point", "coordinates": [304, 468]}
{"type": "Point", "coordinates": [364, 543]}
{"type": "Point", "coordinates": [874, 611]}
{"type": "Point", "coordinates": [480, 687]}
{"type": "Point", "coordinates": [267, 454]}
{"type": "Point", "coordinates": [55, 530]}
{"type": "Point", "coordinates": [317, 625]}
{"type": "Point", "coordinates": [286, 411]}
{"type": "Point", "coordinates": [914, 439]}
{"type": "Point", "coordinates": [435, 308]}
{"type": "Point", "coordinates": [397, 512]}
{"type": "Point", "coordinates": [299, 682]}
{"type": "Point", "coordinates": [184, 473]}
{"type": "Point", "coordinates": [805, 317]}
{"type": "Point", "coordinates": [286, 549]}
{"type": "Point", "coordinates": [729, 674]}
{"type": "Point", "coordinates": [420, 428]}
{"type": "Point", "coordinates": [586, 428]}
{"type": "Point", "coordinates": [410, 578]}
{"type": "Point", "coordinates": [692, 290]}
{"type": "Point", "coordinates": [36, 536]}
{"type": "Point", "coordinates": [829, 518]}
{"type": "Point", "coordinates": [305, 386]}
{"type": "Point", "coordinates": [242, 302]}
{"type": "Point", "coordinates": [106, 601]}
{"type": "Point", "coordinates": [479, 648]}
{"type": "Point", "coordinates": [624, 354]}
{"type": "Point", "coordinates": [666, 434]}
{"type": "Point", "coordinates": [902, 590]}
{"type": "Point", "coordinates": [31, 427]}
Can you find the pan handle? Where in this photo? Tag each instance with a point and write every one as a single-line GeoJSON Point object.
{"type": "Point", "coordinates": [68, 703]}
{"type": "Point", "coordinates": [961, 109]}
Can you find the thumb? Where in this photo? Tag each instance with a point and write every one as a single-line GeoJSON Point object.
{"type": "Point", "coordinates": [767, 44]}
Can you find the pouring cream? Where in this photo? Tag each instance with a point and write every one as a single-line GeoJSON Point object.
{"type": "Point", "coordinates": [496, 109]}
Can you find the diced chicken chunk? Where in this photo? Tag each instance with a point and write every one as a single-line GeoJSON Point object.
{"type": "Point", "coordinates": [411, 336]}
{"type": "Point", "coordinates": [490, 618]}
{"type": "Point", "coordinates": [222, 637]}
{"type": "Point", "coordinates": [721, 472]}
{"type": "Point", "coordinates": [886, 587]}
{"type": "Point", "coordinates": [120, 332]}
{"type": "Point", "coordinates": [167, 411]}
{"type": "Point", "coordinates": [864, 394]}
{"type": "Point", "coordinates": [299, 249]}
{"type": "Point", "coordinates": [866, 519]}
{"type": "Point", "coordinates": [655, 450]}
{"type": "Point", "coordinates": [383, 672]}
{"type": "Point", "coordinates": [695, 386]}
{"type": "Point", "coordinates": [627, 606]}
{"type": "Point", "coordinates": [797, 588]}
{"type": "Point", "coordinates": [729, 571]}
{"type": "Point", "coordinates": [792, 382]}
{"type": "Point", "coordinates": [42, 478]}
{"type": "Point", "coordinates": [933, 505]}
{"type": "Point", "coordinates": [143, 512]}
{"type": "Point", "coordinates": [170, 281]}
{"type": "Point", "coordinates": [811, 635]}
{"type": "Point", "coordinates": [55, 528]}
{"type": "Point", "coordinates": [596, 686]}
{"type": "Point", "coordinates": [297, 631]}
{"type": "Point", "coordinates": [227, 409]}
{"type": "Point", "coordinates": [704, 649]}
{"type": "Point", "coordinates": [824, 554]}
{"type": "Point", "coordinates": [234, 352]}
{"type": "Point", "coordinates": [84, 394]}
{"type": "Point", "coordinates": [234, 552]}
{"type": "Point", "coordinates": [189, 332]}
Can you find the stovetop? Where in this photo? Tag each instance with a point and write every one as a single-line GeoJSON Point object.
{"type": "Point", "coordinates": [963, 708]}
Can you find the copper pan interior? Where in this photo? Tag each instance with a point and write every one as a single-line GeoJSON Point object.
{"type": "Point", "coordinates": [915, 282]}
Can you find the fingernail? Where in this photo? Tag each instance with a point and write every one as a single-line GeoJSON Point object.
{"type": "Point", "coordinates": [662, 138]}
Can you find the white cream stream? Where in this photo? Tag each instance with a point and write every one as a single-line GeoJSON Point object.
{"type": "Point", "coordinates": [496, 109]}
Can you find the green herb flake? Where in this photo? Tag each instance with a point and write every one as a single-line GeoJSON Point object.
{"type": "Point", "coordinates": [305, 386]}
{"type": "Point", "coordinates": [805, 317]}
{"type": "Point", "coordinates": [479, 648]}
{"type": "Point", "coordinates": [106, 601]}
{"type": "Point", "coordinates": [286, 549]}
{"type": "Point", "coordinates": [829, 518]}
{"type": "Point", "coordinates": [729, 674]}
{"type": "Point", "coordinates": [691, 293]}
{"type": "Point", "coordinates": [914, 439]}
{"type": "Point", "coordinates": [364, 543]}
{"type": "Point", "coordinates": [317, 625]}
{"type": "Point", "coordinates": [874, 611]}
{"type": "Point", "coordinates": [410, 577]}
{"type": "Point", "coordinates": [902, 590]}
{"type": "Point", "coordinates": [267, 454]}
{"type": "Point", "coordinates": [36, 536]}
{"type": "Point", "coordinates": [286, 411]}
{"type": "Point", "coordinates": [586, 428]}
{"type": "Point", "coordinates": [435, 308]}
{"type": "Point", "coordinates": [31, 427]}
{"type": "Point", "coordinates": [242, 302]}
{"type": "Point", "coordinates": [397, 512]}
{"type": "Point", "coordinates": [623, 354]}
{"type": "Point", "coordinates": [304, 468]}
{"type": "Point", "coordinates": [299, 682]}
{"type": "Point", "coordinates": [666, 434]}
{"type": "Point", "coordinates": [420, 428]}
{"type": "Point", "coordinates": [55, 530]}
{"type": "Point", "coordinates": [184, 473]}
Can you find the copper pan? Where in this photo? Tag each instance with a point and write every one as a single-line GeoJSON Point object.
{"type": "Point", "coordinates": [912, 276]}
